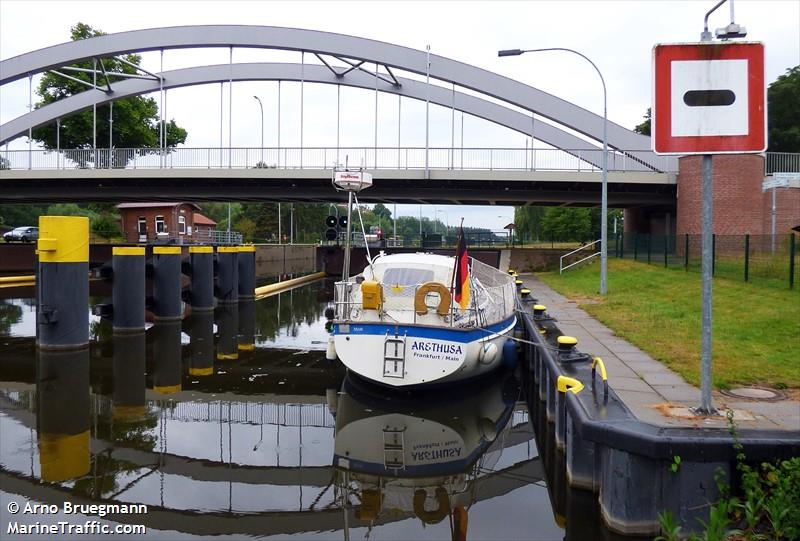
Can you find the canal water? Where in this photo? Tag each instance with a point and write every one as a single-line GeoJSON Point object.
{"type": "Point", "coordinates": [234, 424]}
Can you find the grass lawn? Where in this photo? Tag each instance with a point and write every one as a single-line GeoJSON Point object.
{"type": "Point", "coordinates": [756, 329]}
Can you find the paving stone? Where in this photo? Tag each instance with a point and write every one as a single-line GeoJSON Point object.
{"type": "Point", "coordinates": [629, 384]}
{"type": "Point", "coordinates": [633, 357]}
{"type": "Point", "coordinates": [663, 378]}
{"type": "Point", "coordinates": [678, 393]}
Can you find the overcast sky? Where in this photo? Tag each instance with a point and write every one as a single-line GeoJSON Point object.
{"type": "Point", "coordinates": [617, 36]}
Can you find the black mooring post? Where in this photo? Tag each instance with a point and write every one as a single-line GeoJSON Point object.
{"type": "Point", "coordinates": [128, 293]}
{"type": "Point", "coordinates": [167, 303]}
{"type": "Point", "coordinates": [247, 272]}
{"type": "Point", "coordinates": [202, 285]}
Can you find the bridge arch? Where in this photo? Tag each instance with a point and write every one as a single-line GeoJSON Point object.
{"type": "Point", "coordinates": [339, 45]}
{"type": "Point", "coordinates": [409, 88]}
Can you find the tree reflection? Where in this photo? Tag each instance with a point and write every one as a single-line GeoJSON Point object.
{"type": "Point", "coordinates": [10, 314]}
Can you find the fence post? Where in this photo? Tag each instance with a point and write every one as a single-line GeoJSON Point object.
{"type": "Point", "coordinates": [746, 257]}
{"type": "Point", "coordinates": [686, 252]}
{"type": "Point", "coordinates": [666, 245]}
{"type": "Point", "coordinates": [792, 253]}
{"type": "Point", "coordinates": [649, 246]}
{"type": "Point", "coordinates": [636, 246]}
{"type": "Point", "coordinates": [713, 254]}
{"type": "Point", "coordinates": [622, 245]}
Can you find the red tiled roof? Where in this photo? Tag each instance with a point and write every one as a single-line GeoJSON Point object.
{"type": "Point", "coordinates": [199, 219]}
{"type": "Point", "coordinates": [152, 205]}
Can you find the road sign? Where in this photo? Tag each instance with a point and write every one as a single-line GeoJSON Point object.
{"type": "Point", "coordinates": [781, 180]}
{"type": "Point", "coordinates": [709, 98]}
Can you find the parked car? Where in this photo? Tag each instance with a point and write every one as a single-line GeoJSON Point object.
{"type": "Point", "coordinates": [22, 234]}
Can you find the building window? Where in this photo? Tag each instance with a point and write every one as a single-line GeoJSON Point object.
{"type": "Point", "coordinates": [182, 225]}
{"type": "Point", "coordinates": [161, 226]}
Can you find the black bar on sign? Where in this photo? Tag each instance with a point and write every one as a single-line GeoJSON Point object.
{"type": "Point", "coordinates": [709, 98]}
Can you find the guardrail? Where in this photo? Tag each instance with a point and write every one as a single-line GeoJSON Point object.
{"type": "Point", "coordinates": [562, 268]}
{"type": "Point", "coordinates": [503, 159]}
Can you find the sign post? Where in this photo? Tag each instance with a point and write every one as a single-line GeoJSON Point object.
{"type": "Point", "coordinates": [708, 98]}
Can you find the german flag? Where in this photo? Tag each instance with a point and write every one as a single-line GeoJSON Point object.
{"type": "Point", "coordinates": [461, 277]}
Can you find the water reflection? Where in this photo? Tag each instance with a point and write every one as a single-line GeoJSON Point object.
{"type": "Point", "coordinates": [269, 443]}
{"type": "Point", "coordinates": [423, 456]}
{"type": "Point", "coordinates": [62, 388]}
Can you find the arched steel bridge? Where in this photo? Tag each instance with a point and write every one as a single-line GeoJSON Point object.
{"type": "Point", "coordinates": [638, 176]}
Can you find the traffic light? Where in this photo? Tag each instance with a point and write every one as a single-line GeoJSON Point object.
{"type": "Point", "coordinates": [342, 221]}
{"type": "Point", "coordinates": [332, 231]}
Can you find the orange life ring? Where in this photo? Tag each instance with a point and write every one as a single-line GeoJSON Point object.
{"type": "Point", "coordinates": [437, 515]}
{"type": "Point", "coordinates": [433, 287]}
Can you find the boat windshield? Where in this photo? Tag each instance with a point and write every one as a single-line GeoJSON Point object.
{"type": "Point", "coordinates": [407, 277]}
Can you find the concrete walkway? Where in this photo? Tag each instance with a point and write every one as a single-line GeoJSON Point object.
{"type": "Point", "coordinates": [654, 393]}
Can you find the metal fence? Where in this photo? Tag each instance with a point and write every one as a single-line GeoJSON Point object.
{"type": "Point", "coordinates": [766, 259]}
{"type": "Point", "coordinates": [514, 159]}
{"type": "Point", "coordinates": [787, 162]}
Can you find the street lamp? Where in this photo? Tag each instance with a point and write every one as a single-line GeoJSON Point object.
{"type": "Point", "coordinates": [262, 129]}
{"type": "Point", "coordinates": [604, 194]}
{"type": "Point", "coordinates": [446, 220]}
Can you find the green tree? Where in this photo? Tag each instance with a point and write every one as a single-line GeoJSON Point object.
{"type": "Point", "coordinates": [528, 222]}
{"type": "Point", "coordinates": [564, 224]}
{"type": "Point", "coordinates": [135, 119]}
{"type": "Point", "coordinates": [644, 127]}
{"type": "Point", "coordinates": [381, 211]}
{"type": "Point", "coordinates": [783, 112]}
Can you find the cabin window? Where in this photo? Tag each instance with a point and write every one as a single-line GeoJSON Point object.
{"type": "Point", "coordinates": [407, 277]}
{"type": "Point", "coordinates": [161, 225]}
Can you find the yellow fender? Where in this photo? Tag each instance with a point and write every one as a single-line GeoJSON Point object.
{"type": "Point", "coordinates": [445, 299]}
{"type": "Point", "coordinates": [438, 514]}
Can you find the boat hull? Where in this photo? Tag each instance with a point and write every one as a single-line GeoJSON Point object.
{"type": "Point", "coordinates": [407, 355]}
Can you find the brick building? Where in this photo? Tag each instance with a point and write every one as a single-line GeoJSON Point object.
{"type": "Point", "coordinates": [164, 222]}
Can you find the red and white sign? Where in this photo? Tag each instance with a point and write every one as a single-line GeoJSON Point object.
{"type": "Point", "coordinates": [709, 98]}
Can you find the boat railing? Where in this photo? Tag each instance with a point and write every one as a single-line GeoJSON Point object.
{"type": "Point", "coordinates": [342, 299]}
{"type": "Point", "coordinates": [493, 299]}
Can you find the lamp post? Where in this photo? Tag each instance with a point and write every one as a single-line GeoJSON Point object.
{"type": "Point", "coordinates": [446, 220]}
{"type": "Point", "coordinates": [262, 129]}
{"type": "Point", "coordinates": [604, 193]}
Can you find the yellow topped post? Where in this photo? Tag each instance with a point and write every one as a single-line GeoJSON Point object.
{"type": "Point", "coordinates": [63, 294]}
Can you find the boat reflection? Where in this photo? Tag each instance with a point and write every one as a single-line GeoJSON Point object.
{"type": "Point", "coordinates": [425, 456]}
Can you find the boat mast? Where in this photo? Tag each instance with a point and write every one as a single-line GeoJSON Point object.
{"type": "Point", "coordinates": [350, 182]}
{"type": "Point", "coordinates": [346, 266]}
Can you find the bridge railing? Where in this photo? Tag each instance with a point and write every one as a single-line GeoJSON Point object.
{"type": "Point", "coordinates": [782, 162]}
{"type": "Point", "coordinates": [410, 158]}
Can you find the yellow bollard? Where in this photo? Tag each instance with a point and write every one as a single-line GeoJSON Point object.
{"type": "Point", "coordinates": [63, 276]}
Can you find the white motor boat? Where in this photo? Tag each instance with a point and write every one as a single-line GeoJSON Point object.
{"type": "Point", "coordinates": [397, 323]}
